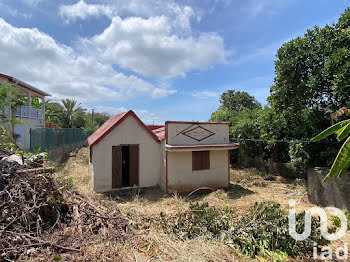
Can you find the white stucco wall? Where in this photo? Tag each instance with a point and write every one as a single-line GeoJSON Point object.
{"type": "Point", "coordinates": [181, 178]}
{"type": "Point", "coordinates": [176, 137]}
{"type": "Point", "coordinates": [127, 132]}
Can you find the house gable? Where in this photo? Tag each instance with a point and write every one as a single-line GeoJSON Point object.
{"type": "Point", "coordinates": [112, 123]}
{"type": "Point", "coordinates": [127, 133]}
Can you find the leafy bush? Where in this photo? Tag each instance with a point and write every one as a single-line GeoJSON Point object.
{"type": "Point", "coordinates": [4, 140]}
{"type": "Point", "coordinates": [299, 159]}
{"type": "Point", "coordinates": [263, 232]}
{"type": "Point", "coordinates": [266, 228]}
{"type": "Point", "coordinates": [199, 220]}
{"type": "Point", "coordinates": [336, 220]}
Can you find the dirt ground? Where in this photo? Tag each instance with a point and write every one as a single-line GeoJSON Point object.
{"type": "Point", "coordinates": [143, 207]}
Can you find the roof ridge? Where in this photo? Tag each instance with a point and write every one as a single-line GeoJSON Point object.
{"type": "Point", "coordinates": [113, 122]}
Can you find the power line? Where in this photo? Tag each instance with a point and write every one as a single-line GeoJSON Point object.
{"type": "Point", "coordinates": [282, 140]}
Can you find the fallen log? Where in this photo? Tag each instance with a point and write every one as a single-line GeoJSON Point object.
{"type": "Point", "coordinates": [35, 171]}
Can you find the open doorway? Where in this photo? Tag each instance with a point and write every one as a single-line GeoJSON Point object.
{"type": "Point", "coordinates": [125, 166]}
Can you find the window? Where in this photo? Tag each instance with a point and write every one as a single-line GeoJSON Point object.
{"type": "Point", "coordinates": [200, 160]}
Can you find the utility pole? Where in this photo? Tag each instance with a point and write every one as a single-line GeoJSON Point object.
{"type": "Point", "coordinates": [92, 119]}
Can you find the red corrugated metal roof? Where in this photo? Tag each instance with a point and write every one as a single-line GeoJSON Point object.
{"type": "Point", "coordinates": [111, 123]}
{"type": "Point", "coordinates": [152, 127]}
{"type": "Point", "coordinates": [160, 132]}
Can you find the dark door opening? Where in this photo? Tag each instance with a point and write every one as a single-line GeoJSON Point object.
{"type": "Point", "coordinates": [125, 166]}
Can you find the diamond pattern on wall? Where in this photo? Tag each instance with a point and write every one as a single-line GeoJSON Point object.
{"type": "Point", "coordinates": [198, 133]}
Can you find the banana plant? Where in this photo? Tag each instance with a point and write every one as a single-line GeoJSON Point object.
{"type": "Point", "coordinates": [342, 129]}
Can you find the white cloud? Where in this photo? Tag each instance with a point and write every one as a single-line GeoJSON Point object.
{"type": "Point", "coordinates": [179, 14]}
{"type": "Point", "coordinates": [149, 47]}
{"type": "Point", "coordinates": [108, 109]}
{"type": "Point", "coordinates": [82, 11]}
{"type": "Point", "coordinates": [146, 116]}
{"type": "Point", "coordinates": [60, 71]}
{"type": "Point", "coordinates": [152, 38]}
{"type": "Point", "coordinates": [206, 94]}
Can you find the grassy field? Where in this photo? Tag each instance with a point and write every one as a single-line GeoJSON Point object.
{"type": "Point", "coordinates": [143, 208]}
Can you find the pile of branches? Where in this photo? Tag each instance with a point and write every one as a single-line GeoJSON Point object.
{"type": "Point", "coordinates": [40, 213]}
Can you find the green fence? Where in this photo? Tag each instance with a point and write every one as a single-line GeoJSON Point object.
{"type": "Point", "coordinates": [49, 138]}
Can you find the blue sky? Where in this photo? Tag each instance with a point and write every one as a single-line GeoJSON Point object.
{"type": "Point", "coordinates": [165, 59]}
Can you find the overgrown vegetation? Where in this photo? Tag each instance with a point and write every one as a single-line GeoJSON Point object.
{"type": "Point", "coordinates": [263, 232]}
{"type": "Point", "coordinates": [336, 220]}
{"type": "Point", "coordinates": [311, 83]}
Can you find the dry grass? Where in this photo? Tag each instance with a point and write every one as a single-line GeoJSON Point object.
{"type": "Point", "coordinates": [143, 207]}
{"type": "Point", "coordinates": [77, 167]}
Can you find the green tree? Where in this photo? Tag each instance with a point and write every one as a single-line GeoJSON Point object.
{"type": "Point", "coordinates": [238, 101]}
{"type": "Point", "coordinates": [71, 109]}
{"type": "Point", "coordinates": [53, 112]}
{"type": "Point", "coordinates": [9, 100]}
{"type": "Point", "coordinates": [82, 120]}
{"type": "Point", "coordinates": [312, 81]}
{"type": "Point", "coordinates": [100, 118]}
{"type": "Point", "coordinates": [35, 102]}
{"type": "Point", "coordinates": [313, 72]}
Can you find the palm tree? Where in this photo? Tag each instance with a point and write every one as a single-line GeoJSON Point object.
{"type": "Point", "coordinates": [70, 109]}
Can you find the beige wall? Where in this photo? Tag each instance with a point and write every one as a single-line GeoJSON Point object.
{"type": "Point", "coordinates": [162, 166]}
{"type": "Point", "coordinates": [176, 137]}
{"type": "Point", "coordinates": [181, 178]}
{"type": "Point", "coordinates": [127, 132]}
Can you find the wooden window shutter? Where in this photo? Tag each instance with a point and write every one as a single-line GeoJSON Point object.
{"type": "Point", "coordinates": [200, 160]}
{"type": "Point", "coordinates": [205, 159]}
{"type": "Point", "coordinates": [134, 165]}
{"type": "Point", "coordinates": [116, 166]}
{"type": "Point", "coordinates": [196, 161]}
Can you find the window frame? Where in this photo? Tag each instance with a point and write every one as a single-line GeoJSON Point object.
{"type": "Point", "coordinates": [202, 166]}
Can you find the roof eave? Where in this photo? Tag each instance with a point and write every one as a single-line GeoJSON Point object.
{"type": "Point", "coordinates": [24, 84]}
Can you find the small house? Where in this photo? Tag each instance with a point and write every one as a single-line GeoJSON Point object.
{"type": "Point", "coordinates": [31, 114]}
{"type": "Point", "coordinates": [178, 156]}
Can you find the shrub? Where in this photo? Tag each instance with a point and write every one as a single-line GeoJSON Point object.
{"type": "Point", "coordinates": [266, 228]}
{"type": "Point", "coordinates": [199, 220]}
{"type": "Point", "coordinates": [263, 232]}
{"type": "Point", "coordinates": [336, 220]}
{"type": "Point", "coordinates": [299, 159]}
